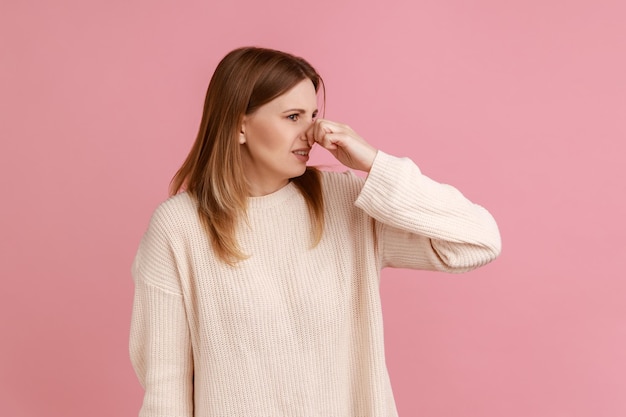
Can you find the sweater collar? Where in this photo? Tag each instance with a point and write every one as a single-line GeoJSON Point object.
{"type": "Point", "coordinates": [271, 200]}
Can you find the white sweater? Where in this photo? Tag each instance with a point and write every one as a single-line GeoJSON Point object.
{"type": "Point", "coordinates": [292, 331]}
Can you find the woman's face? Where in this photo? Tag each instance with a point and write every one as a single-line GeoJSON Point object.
{"type": "Point", "coordinates": [275, 147]}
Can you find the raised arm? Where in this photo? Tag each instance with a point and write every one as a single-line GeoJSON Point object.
{"type": "Point", "coordinates": [424, 224]}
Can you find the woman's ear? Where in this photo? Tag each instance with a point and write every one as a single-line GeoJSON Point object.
{"type": "Point", "coordinates": [242, 132]}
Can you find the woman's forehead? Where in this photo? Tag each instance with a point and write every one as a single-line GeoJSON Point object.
{"type": "Point", "coordinates": [301, 96]}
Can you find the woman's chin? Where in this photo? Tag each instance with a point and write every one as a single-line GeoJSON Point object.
{"type": "Point", "coordinates": [299, 173]}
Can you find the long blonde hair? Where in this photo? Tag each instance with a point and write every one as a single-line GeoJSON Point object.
{"type": "Point", "coordinates": [212, 173]}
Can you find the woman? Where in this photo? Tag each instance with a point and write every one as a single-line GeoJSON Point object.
{"type": "Point", "coordinates": [257, 282]}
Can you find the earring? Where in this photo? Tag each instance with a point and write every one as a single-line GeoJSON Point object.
{"type": "Point", "coordinates": [242, 139]}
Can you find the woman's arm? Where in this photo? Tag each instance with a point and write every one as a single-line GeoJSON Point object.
{"type": "Point", "coordinates": [421, 224]}
{"type": "Point", "coordinates": [424, 224]}
{"type": "Point", "coordinates": [160, 344]}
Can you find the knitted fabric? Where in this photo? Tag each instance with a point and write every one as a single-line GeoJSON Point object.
{"type": "Point", "coordinates": [294, 330]}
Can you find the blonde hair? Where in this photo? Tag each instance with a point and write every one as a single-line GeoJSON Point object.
{"type": "Point", "coordinates": [212, 173]}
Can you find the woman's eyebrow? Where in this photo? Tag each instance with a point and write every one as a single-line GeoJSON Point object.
{"type": "Point", "coordinates": [299, 111]}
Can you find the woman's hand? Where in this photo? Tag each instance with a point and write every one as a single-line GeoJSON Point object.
{"type": "Point", "coordinates": [340, 140]}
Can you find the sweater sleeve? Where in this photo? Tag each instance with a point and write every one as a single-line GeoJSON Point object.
{"type": "Point", "coordinates": [423, 224]}
{"type": "Point", "coordinates": [160, 344]}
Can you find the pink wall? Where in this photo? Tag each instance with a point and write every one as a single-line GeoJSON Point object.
{"type": "Point", "coordinates": [522, 105]}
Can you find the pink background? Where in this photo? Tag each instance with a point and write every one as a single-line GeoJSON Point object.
{"type": "Point", "coordinates": [520, 104]}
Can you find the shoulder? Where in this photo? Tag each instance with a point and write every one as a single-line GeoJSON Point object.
{"type": "Point", "coordinates": [175, 213]}
{"type": "Point", "coordinates": [172, 223]}
{"type": "Point", "coordinates": [179, 204]}
{"type": "Point", "coordinates": [163, 246]}
{"type": "Point", "coordinates": [341, 184]}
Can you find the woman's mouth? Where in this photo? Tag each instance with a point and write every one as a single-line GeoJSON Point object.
{"type": "Point", "coordinates": [302, 154]}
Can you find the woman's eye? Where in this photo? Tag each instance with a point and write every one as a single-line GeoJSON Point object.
{"type": "Point", "coordinates": [293, 117]}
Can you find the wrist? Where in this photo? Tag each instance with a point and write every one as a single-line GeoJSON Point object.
{"type": "Point", "coordinates": [370, 160]}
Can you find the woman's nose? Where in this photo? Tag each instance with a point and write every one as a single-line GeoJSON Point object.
{"type": "Point", "coordinates": [307, 134]}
